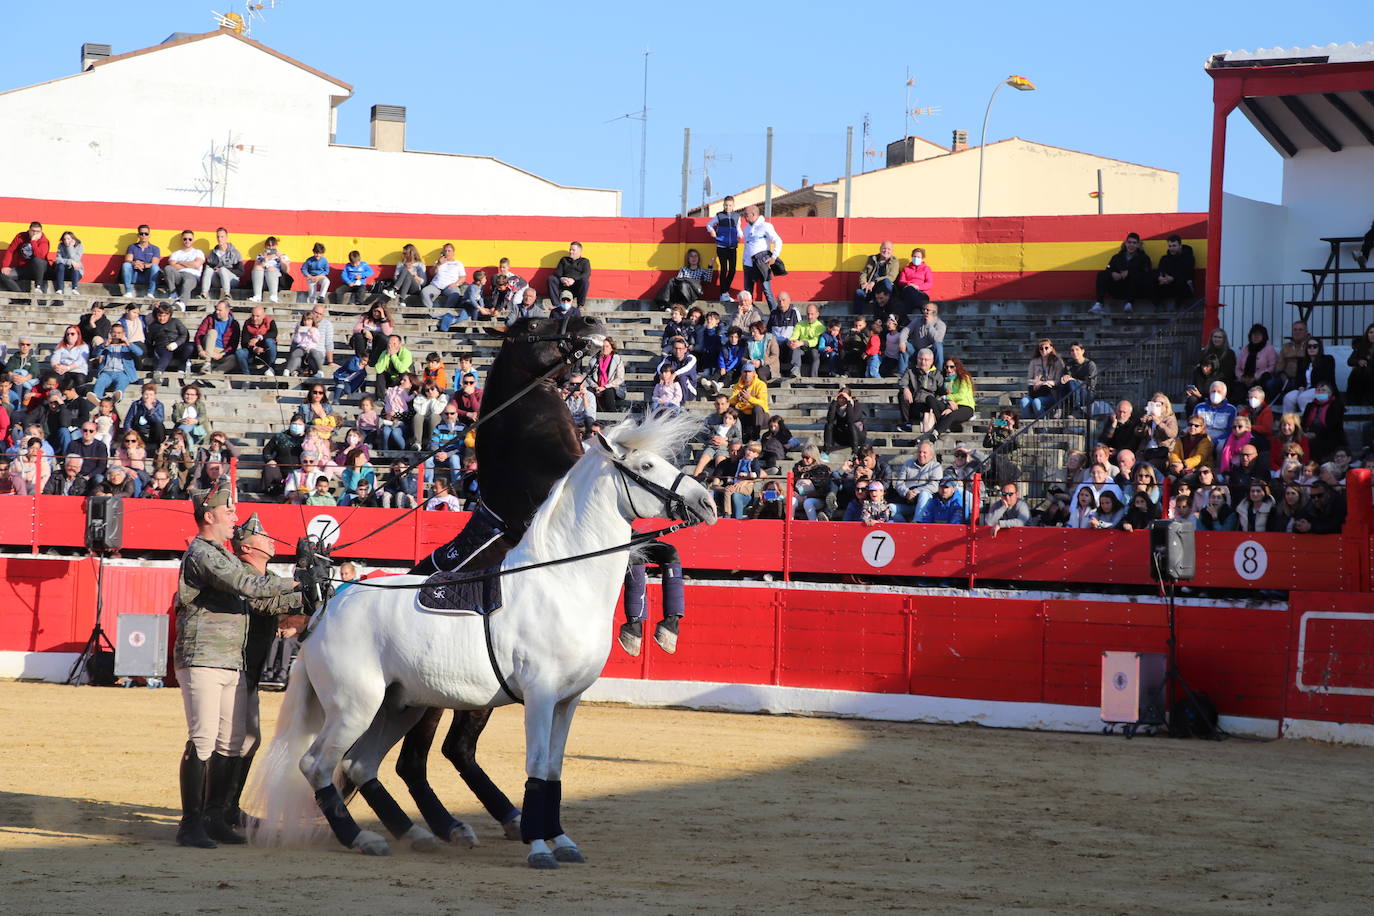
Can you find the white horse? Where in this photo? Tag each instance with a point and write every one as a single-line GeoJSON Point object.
{"type": "Point", "coordinates": [375, 660]}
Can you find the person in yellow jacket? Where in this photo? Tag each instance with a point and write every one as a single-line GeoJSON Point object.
{"type": "Point", "coordinates": [749, 397]}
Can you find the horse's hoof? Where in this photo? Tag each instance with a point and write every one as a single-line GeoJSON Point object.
{"type": "Point", "coordinates": [370, 844]}
{"type": "Point", "coordinates": [511, 828]}
{"type": "Point", "coordinates": [422, 840]}
{"type": "Point", "coordinates": [665, 634]}
{"type": "Point", "coordinates": [463, 835]}
{"type": "Point", "coordinates": [542, 860]}
{"type": "Point", "coordinates": [631, 637]}
{"type": "Point", "coordinates": [568, 854]}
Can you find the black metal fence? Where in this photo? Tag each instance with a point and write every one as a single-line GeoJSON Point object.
{"type": "Point", "coordinates": [1329, 318]}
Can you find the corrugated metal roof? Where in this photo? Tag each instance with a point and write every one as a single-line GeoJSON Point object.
{"type": "Point", "coordinates": [1313, 54]}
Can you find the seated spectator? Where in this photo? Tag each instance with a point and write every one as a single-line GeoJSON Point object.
{"type": "Point", "coordinates": [71, 357]}
{"type": "Point", "coordinates": [1128, 276]}
{"type": "Point", "coordinates": [429, 407]}
{"type": "Point", "coordinates": [106, 418]}
{"type": "Point", "coordinates": [927, 330]}
{"type": "Point", "coordinates": [1174, 278]}
{"type": "Point", "coordinates": [257, 342]}
{"type": "Point", "coordinates": [410, 274]}
{"type": "Point", "coordinates": [184, 268]}
{"type": "Point", "coordinates": [749, 398]}
{"type": "Point", "coordinates": [1288, 443]}
{"type": "Point", "coordinates": [763, 351]}
{"type": "Point", "coordinates": [391, 365]}
{"type": "Point", "coordinates": [682, 368]}
{"type": "Point", "coordinates": [450, 276]}
{"type": "Point", "coordinates": [1316, 367]}
{"type": "Point", "coordinates": [31, 468]}
{"type": "Point", "coordinates": [745, 475]}
{"type": "Point", "coordinates": [23, 371]}
{"type": "Point", "coordinates": [830, 348]}
{"type": "Point", "coordinates": [1323, 422]}
{"type": "Point", "coordinates": [870, 506]}
{"type": "Point", "coordinates": [443, 499]}
{"type": "Point", "coordinates": [1216, 412]}
{"type": "Point", "coordinates": [1258, 411]}
{"type": "Point", "coordinates": [223, 263]}
{"type": "Point", "coordinates": [315, 410]}
{"type": "Point", "coordinates": [176, 456]}
{"type": "Point", "coordinates": [315, 270]}
{"type": "Point", "coordinates": [216, 340]}
{"type": "Point", "coordinates": [305, 343]}
{"type": "Point", "coordinates": [117, 482]}
{"type": "Point", "coordinates": [364, 496]}
{"type": "Point", "coordinates": [283, 450]}
{"type": "Point", "coordinates": [68, 264]}
{"type": "Point", "coordinates": [769, 503]}
{"type": "Point", "coordinates": [880, 272]}
{"type": "Point", "coordinates": [322, 495]}
{"type": "Point", "coordinates": [806, 339]}
{"type": "Point", "coordinates": [353, 281]}
{"type": "Point", "coordinates": [1055, 512]}
{"type": "Point", "coordinates": [168, 343]}
{"type": "Point", "coordinates": [920, 393]}
{"type": "Point", "coordinates": [216, 451]}
{"type": "Point", "coordinates": [357, 472]}
{"type": "Point", "coordinates": [396, 411]}
{"type": "Point", "coordinates": [845, 422]}
{"type": "Point", "coordinates": [397, 490]}
{"type": "Point", "coordinates": [1144, 479]}
{"type": "Point", "coordinates": [162, 486]}
{"type": "Point", "coordinates": [1359, 387]}
{"type": "Point", "coordinates": [857, 349]}
{"type": "Point", "coordinates": [507, 288]}
{"type": "Point", "coordinates": [955, 407]}
{"type": "Point", "coordinates": [1326, 513]}
{"type": "Point", "coordinates": [783, 320]}
{"type": "Point", "coordinates": [371, 332]}
{"type": "Point", "coordinates": [141, 265]}
{"type": "Point", "coordinates": [467, 399]}
{"type": "Point", "coordinates": [1242, 435]}
{"type": "Point", "coordinates": [353, 439]}
{"type": "Point", "coordinates": [268, 267]}
{"type": "Point", "coordinates": [667, 395]}
{"type": "Point", "coordinates": [434, 371]}
{"type": "Point", "coordinates": [527, 307]}
{"type": "Point", "coordinates": [720, 430]}
{"type": "Point", "coordinates": [1009, 510]}
{"type": "Point", "coordinates": [1042, 380]}
{"type": "Point", "coordinates": [300, 483]}
{"type": "Point", "coordinates": [915, 483]}
{"type": "Point", "coordinates": [68, 481]}
{"type": "Point", "coordinates": [734, 354]}
{"type": "Point", "coordinates": [745, 314]}
{"type": "Point", "coordinates": [135, 324]}
{"type": "Point", "coordinates": [191, 415]}
{"type": "Point", "coordinates": [1140, 513]}
{"type": "Point", "coordinates": [1218, 514]}
{"type": "Point", "coordinates": [582, 403]}
{"type": "Point", "coordinates": [118, 365]}
{"type": "Point", "coordinates": [894, 352]}
{"type": "Point", "coordinates": [1192, 449]}
{"type": "Point", "coordinates": [95, 454]}
{"type": "Point", "coordinates": [915, 282]}
{"type": "Point", "coordinates": [1001, 441]}
{"type": "Point", "coordinates": [777, 440]}
{"type": "Point", "coordinates": [573, 273]}
{"type": "Point", "coordinates": [811, 483]}
{"type": "Point", "coordinates": [688, 284]}
{"type": "Point", "coordinates": [1287, 511]}
{"type": "Point", "coordinates": [708, 347]}
{"type": "Point", "coordinates": [25, 261]}
{"type": "Point", "coordinates": [1079, 380]}
{"type": "Point", "coordinates": [1257, 362]}
{"type": "Point", "coordinates": [961, 467]}
{"type": "Point", "coordinates": [1216, 363]}
{"type": "Point", "coordinates": [1254, 512]}
{"type": "Point", "coordinates": [608, 378]}
{"type": "Point", "coordinates": [1109, 511]}
{"type": "Point", "coordinates": [946, 507]}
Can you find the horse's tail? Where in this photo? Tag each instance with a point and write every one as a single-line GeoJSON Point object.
{"type": "Point", "coordinates": [278, 798]}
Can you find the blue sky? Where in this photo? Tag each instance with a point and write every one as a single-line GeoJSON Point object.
{"type": "Point", "coordinates": [538, 85]}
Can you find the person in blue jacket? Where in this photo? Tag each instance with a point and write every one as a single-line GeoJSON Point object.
{"type": "Point", "coordinates": [946, 507]}
{"type": "Point", "coordinates": [354, 279]}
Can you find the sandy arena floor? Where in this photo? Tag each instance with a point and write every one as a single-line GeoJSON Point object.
{"type": "Point", "coordinates": [697, 812]}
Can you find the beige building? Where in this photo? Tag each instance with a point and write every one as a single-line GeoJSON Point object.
{"type": "Point", "coordinates": [1020, 178]}
{"type": "Point", "coordinates": [743, 199]}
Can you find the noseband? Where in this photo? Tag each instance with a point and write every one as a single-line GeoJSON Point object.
{"type": "Point", "coordinates": [673, 501]}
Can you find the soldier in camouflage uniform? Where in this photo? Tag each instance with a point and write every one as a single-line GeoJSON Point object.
{"type": "Point", "coordinates": [212, 629]}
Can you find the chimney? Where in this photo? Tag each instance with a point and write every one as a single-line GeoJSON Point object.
{"type": "Point", "coordinates": [389, 128]}
{"type": "Point", "coordinates": [92, 53]}
{"type": "Point", "coordinates": [806, 181]}
{"type": "Point", "coordinates": [960, 141]}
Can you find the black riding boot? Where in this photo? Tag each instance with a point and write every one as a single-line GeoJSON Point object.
{"type": "Point", "coordinates": [233, 815]}
{"type": "Point", "coordinates": [191, 832]}
{"type": "Point", "coordinates": [222, 782]}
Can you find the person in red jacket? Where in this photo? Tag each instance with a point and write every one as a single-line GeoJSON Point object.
{"type": "Point", "coordinates": [25, 260]}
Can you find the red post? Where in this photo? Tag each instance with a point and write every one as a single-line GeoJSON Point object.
{"type": "Point", "coordinates": [234, 476]}
{"type": "Point", "coordinates": [1226, 95]}
{"type": "Point", "coordinates": [787, 512]}
{"type": "Point", "coordinates": [974, 510]}
{"type": "Point", "coordinates": [1359, 525]}
{"type": "Point", "coordinates": [420, 501]}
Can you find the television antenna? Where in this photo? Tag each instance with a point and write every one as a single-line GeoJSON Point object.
{"type": "Point", "coordinates": [242, 23]}
{"type": "Point", "coordinates": [218, 163]}
{"type": "Point", "coordinates": [911, 115]}
{"type": "Point", "coordinates": [643, 118]}
{"type": "Point", "coordinates": [708, 158]}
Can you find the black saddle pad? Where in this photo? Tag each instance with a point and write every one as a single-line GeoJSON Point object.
{"type": "Point", "coordinates": [447, 592]}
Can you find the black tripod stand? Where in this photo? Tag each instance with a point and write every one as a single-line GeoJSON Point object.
{"type": "Point", "coordinates": [99, 638]}
{"type": "Point", "coordinates": [1200, 714]}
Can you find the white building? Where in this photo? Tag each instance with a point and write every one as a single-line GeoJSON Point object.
{"type": "Point", "coordinates": [76, 138]}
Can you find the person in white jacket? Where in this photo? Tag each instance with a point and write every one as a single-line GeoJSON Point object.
{"type": "Point", "coordinates": [762, 248]}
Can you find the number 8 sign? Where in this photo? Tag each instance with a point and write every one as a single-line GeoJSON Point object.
{"type": "Point", "coordinates": [1251, 560]}
{"type": "Point", "coordinates": [878, 549]}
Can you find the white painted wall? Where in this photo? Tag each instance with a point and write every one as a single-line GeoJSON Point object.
{"type": "Point", "coordinates": [1326, 194]}
{"type": "Point", "coordinates": [1252, 234]}
{"type": "Point", "coordinates": [114, 133]}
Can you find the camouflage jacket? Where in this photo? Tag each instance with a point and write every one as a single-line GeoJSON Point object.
{"type": "Point", "coordinates": [214, 594]}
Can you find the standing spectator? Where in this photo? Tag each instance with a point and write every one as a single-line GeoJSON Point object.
{"type": "Point", "coordinates": [783, 319]}
{"type": "Point", "coordinates": [1042, 379]}
{"type": "Point", "coordinates": [1174, 278]}
{"type": "Point", "coordinates": [140, 265]}
{"type": "Point", "coordinates": [70, 359]}
{"type": "Point", "coordinates": [928, 331]}
{"type": "Point", "coordinates": [168, 342]}
{"type": "Point", "coordinates": [1316, 367]}
{"type": "Point", "coordinates": [391, 365]}
{"type": "Point", "coordinates": [573, 273]}
{"type": "Point", "coordinates": [1009, 511]}
{"type": "Point", "coordinates": [184, 269]}
{"type": "Point", "coordinates": [217, 339]}
{"type": "Point", "coordinates": [118, 365]}
{"type": "Point", "coordinates": [762, 248]}
{"type": "Point", "coordinates": [68, 263]}
{"type": "Point", "coordinates": [371, 333]}
{"type": "Point", "coordinates": [1257, 362]}
{"type": "Point", "coordinates": [919, 393]}
{"type": "Point", "coordinates": [25, 260]}
{"type": "Point", "coordinates": [410, 273]}
{"type": "Point", "coordinates": [1080, 377]}
{"type": "Point", "coordinates": [315, 270]}
{"type": "Point", "coordinates": [354, 279]}
{"type": "Point", "coordinates": [916, 481]}
{"type": "Point", "coordinates": [749, 398]}
{"type": "Point", "coordinates": [688, 283]}
{"type": "Point", "coordinates": [147, 417]}
{"type": "Point", "coordinates": [608, 377]}
{"type": "Point", "coordinates": [915, 282]}
{"type": "Point", "coordinates": [1128, 275]}
{"type": "Point", "coordinates": [956, 407]}
{"type": "Point", "coordinates": [1001, 441]}
{"type": "Point", "coordinates": [268, 267]}
{"type": "Point", "coordinates": [223, 263]}
{"type": "Point", "coordinates": [23, 370]}
{"type": "Point", "coordinates": [724, 228]}
{"type": "Point", "coordinates": [880, 272]}
{"type": "Point", "coordinates": [845, 423]}
{"type": "Point", "coordinates": [449, 276]}
{"type": "Point", "coordinates": [1359, 388]}
{"type": "Point", "coordinates": [258, 342]}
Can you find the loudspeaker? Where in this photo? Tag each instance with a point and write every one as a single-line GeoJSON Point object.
{"type": "Point", "coordinates": [105, 522]}
{"type": "Point", "coordinates": [1173, 555]}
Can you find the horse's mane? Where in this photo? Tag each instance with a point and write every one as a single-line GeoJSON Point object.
{"type": "Point", "coordinates": [662, 434]}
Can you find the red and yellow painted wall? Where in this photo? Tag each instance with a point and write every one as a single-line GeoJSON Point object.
{"type": "Point", "coordinates": [1034, 257]}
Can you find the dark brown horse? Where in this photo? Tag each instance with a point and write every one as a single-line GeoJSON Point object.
{"type": "Point", "coordinates": [522, 448]}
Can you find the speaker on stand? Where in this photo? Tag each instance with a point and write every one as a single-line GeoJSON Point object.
{"type": "Point", "coordinates": [1173, 559]}
{"type": "Point", "coordinates": [104, 533]}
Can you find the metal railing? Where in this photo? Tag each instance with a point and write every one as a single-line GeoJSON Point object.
{"type": "Point", "coordinates": [1247, 304]}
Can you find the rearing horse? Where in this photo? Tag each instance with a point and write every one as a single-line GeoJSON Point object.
{"type": "Point", "coordinates": [523, 448]}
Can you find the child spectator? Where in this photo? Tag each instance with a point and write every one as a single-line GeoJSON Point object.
{"type": "Point", "coordinates": [666, 395]}
{"type": "Point", "coordinates": [467, 484]}
{"type": "Point", "coordinates": [708, 346]}
{"type": "Point", "coordinates": [396, 414]}
{"type": "Point", "coordinates": [870, 505]}
{"type": "Point", "coordinates": [354, 278]}
{"type": "Point", "coordinates": [435, 372]}
{"type": "Point", "coordinates": [443, 499]}
{"type": "Point", "coordinates": [398, 487]}
{"type": "Point", "coordinates": [316, 273]}
{"type": "Point", "coordinates": [369, 422]}
{"type": "Point", "coordinates": [321, 495]}
{"type": "Point", "coordinates": [674, 326]}
{"type": "Point", "coordinates": [353, 439]}
{"type": "Point", "coordinates": [831, 349]}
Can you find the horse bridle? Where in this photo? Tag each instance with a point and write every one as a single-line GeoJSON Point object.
{"type": "Point", "coordinates": [671, 499]}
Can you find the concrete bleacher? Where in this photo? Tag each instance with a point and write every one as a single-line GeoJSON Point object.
{"type": "Point", "coordinates": [994, 339]}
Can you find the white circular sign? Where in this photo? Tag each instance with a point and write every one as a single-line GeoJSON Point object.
{"type": "Point", "coordinates": [323, 528]}
{"type": "Point", "coordinates": [1251, 560]}
{"type": "Point", "coordinates": [137, 639]}
{"type": "Point", "coordinates": [878, 548]}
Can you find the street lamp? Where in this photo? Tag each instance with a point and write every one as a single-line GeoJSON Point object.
{"type": "Point", "coordinates": [1019, 83]}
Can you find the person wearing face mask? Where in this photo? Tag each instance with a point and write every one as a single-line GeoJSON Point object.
{"type": "Point", "coordinates": [915, 282]}
{"type": "Point", "coordinates": [1316, 367]}
{"type": "Point", "coordinates": [283, 451]}
{"type": "Point", "coordinates": [1258, 411]}
{"type": "Point", "coordinates": [1216, 412]}
{"type": "Point", "coordinates": [1323, 422]}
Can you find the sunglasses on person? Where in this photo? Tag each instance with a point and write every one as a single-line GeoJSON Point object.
{"type": "Point", "coordinates": [88, 429]}
{"type": "Point", "coordinates": [1046, 349]}
{"type": "Point", "coordinates": [188, 238]}
{"type": "Point", "coordinates": [143, 234]}
{"type": "Point", "coordinates": [1008, 492]}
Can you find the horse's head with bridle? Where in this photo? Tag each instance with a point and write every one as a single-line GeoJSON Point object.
{"type": "Point", "coordinates": [652, 485]}
{"type": "Point", "coordinates": [538, 346]}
